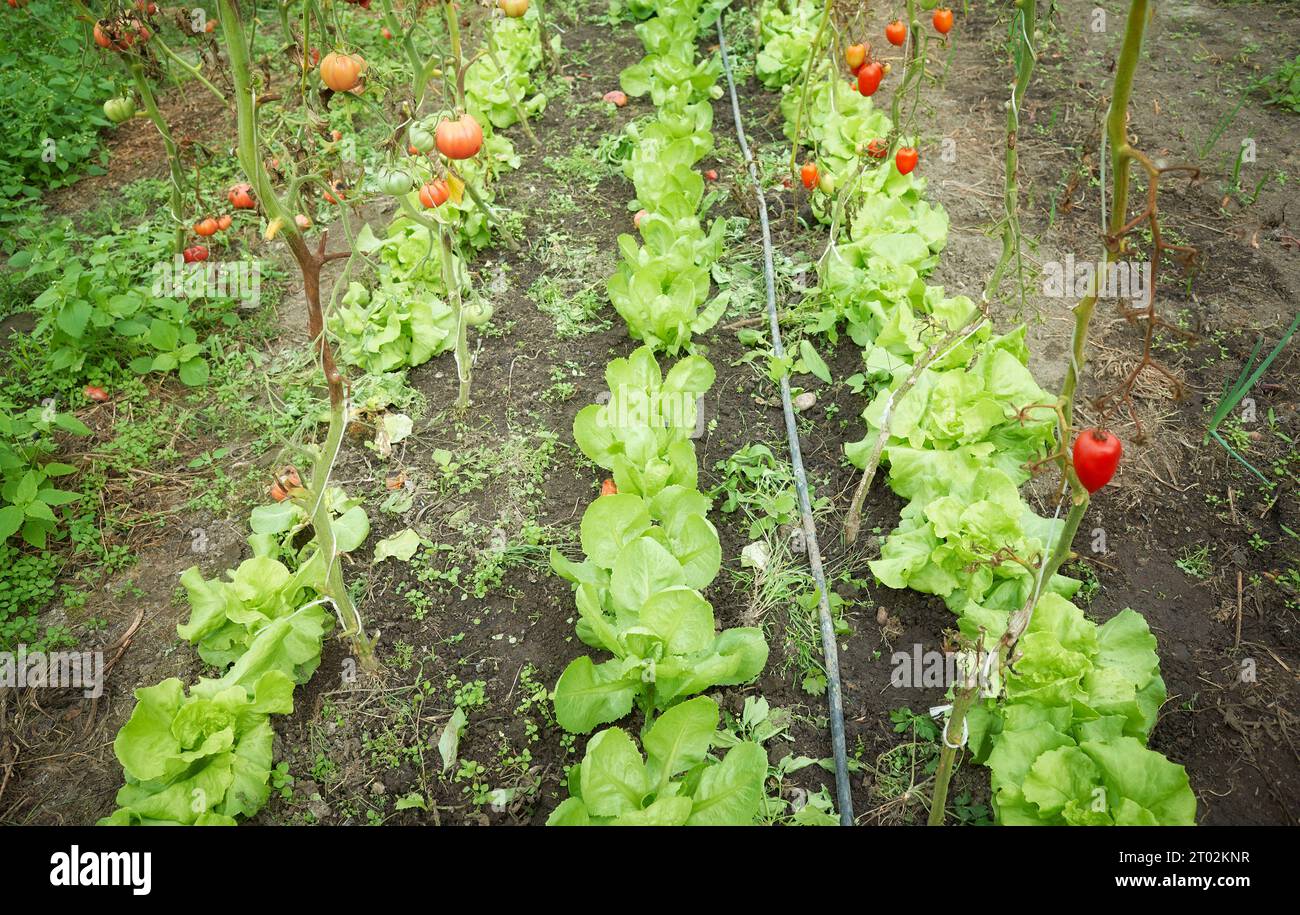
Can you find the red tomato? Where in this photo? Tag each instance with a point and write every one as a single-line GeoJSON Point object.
{"type": "Point", "coordinates": [241, 197]}
{"type": "Point", "coordinates": [206, 227]}
{"type": "Point", "coordinates": [435, 193]}
{"type": "Point", "coordinates": [608, 488]}
{"type": "Point", "coordinates": [905, 159]}
{"type": "Point", "coordinates": [1096, 457]}
{"type": "Point", "coordinates": [99, 395]}
{"type": "Point", "coordinates": [194, 254]}
{"type": "Point", "coordinates": [808, 175]}
{"type": "Point", "coordinates": [942, 20]}
{"type": "Point", "coordinates": [896, 33]}
{"type": "Point", "coordinates": [459, 139]}
{"type": "Point", "coordinates": [877, 149]}
{"type": "Point", "coordinates": [869, 78]}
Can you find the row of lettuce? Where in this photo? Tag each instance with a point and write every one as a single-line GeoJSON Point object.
{"type": "Point", "coordinates": [203, 756]}
{"type": "Point", "coordinates": [1064, 729]}
{"type": "Point", "coordinates": [649, 548]}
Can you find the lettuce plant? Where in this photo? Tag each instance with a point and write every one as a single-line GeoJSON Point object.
{"type": "Point", "coordinates": [649, 549]}
{"type": "Point", "coordinates": [225, 616]}
{"type": "Point", "coordinates": [495, 97]}
{"type": "Point", "coordinates": [1068, 746]}
{"type": "Point", "coordinates": [785, 40]}
{"type": "Point", "coordinates": [201, 759]}
{"type": "Point", "coordinates": [676, 783]}
{"type": "Point", "coordinates": [642, 435]}
{"type": "Point", "coordinates": [661, 289]}
{"type": "Point", "coordinates": [395, 326]}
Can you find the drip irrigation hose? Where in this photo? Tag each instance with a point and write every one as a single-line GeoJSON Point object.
{"type": "Point", "coordinates": [829, 650]}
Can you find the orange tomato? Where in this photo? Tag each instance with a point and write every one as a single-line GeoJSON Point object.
{"type": "Point", "coordinates": [435, 193]}
{"type": "Point", "coordinates": [459, 139]}
{"type": "Point", "coordinates": [341, 72]}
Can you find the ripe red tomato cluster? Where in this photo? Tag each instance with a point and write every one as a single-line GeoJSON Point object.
{"type": "Point", "coordinates": [120, 35]}
{"type": "Point", "coordinates": [211, 225]}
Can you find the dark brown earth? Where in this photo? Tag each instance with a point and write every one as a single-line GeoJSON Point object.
{"type": "Point", "coordinates": [354, 748]}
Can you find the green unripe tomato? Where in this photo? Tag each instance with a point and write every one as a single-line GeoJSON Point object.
{"type": "Point", "coordinates": [421, 139]}
{"type": "Point", "coordinates": [119, 110]}
{"type": "Point", "coordinates": [478, 313]}
{"type": "Point", "coordinates": [395, 182]}
{"type": "Point", "coordinates": [827, 184]}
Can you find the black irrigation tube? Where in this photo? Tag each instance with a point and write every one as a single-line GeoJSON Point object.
{"type": "Point", "coordinates": [829, 650]}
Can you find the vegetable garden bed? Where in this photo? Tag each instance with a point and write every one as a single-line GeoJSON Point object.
{"type": "Point", "coordinates": [492, 671]}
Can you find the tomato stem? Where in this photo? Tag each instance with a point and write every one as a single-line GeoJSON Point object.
{"type": "Point", "coordinates": [953, 742]}
{"type": "Point", "coordinates": [173, 153]}
{"type": "Point", "coordinates": [309, 264]}
{"type": "Point", "coordinates": [1023, 55]}
{"type": "Point", "coordinates": [813, 53]}
{"type": "Point", "coordinates": [1120, 157]}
